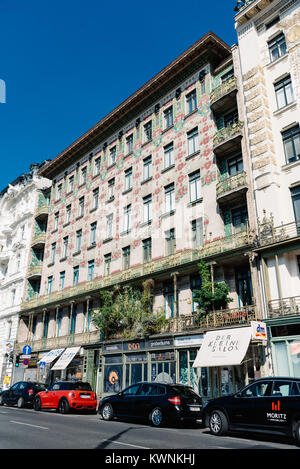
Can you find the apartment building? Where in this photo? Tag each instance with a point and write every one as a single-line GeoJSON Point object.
{"type": "Point", "coordinates": [162, 182]}
{"type": "Point", "coordinates": [17, 205]}
{"type": "Point", "coordinates": [269, 43]}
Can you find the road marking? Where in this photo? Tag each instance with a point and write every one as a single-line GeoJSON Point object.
{"type": "Point", "coordinates": [126, 444]}
{"type": "Point", "coordinates": [29, 425]}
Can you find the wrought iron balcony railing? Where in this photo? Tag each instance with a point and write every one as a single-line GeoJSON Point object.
{"type": "Point", "coordinates": [231, 183]}
{"type": "Point", "coordinates": [270, 234]}
{"type": "Point", "coordinates": [223, 89]}
{"type": "Point", "coordinates": [284, 307]}
{"type": "Point", "coordinates": [226, 133]}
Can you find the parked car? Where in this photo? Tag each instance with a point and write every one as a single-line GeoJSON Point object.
{"type": "Point", "coordinates": [21, 393]}
{"type": "Point", "coordinates": [269, 405]}
{"type": "Point", "coordinates": [65, 396]}
{"type": "Point", "coordinates": [155, 402]}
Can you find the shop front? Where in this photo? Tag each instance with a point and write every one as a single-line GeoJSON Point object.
{"type": "Point", "coordinates": [66, 364]}
{"type": "Point", "coordinates": [230, 358]}
{"type": "Point", "coordinates": [167, 360]}
{"type": "Point", "coordinates": [285, 347]}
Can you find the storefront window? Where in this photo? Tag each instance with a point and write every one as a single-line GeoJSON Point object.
{"type": "Point", "coordinates": [295, 357]}
{"type": "Point", "coordinates": [113, 374]}
{"type": "Point", "coordinates": [163, 370]}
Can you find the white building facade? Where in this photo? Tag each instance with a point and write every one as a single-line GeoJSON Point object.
{"type": "Point", "coordinates": [269, 46]}
{"type": "Point", "coordinates": [17, 205]}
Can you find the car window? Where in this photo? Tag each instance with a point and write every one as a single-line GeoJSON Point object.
{"type": "Point", "coordinates": [296, 389]}
{"type": "Point", "coordinates": [184, 391]}
{"type": "Point", "coordinates": [146, 390]}
{"type": "Point", "coordinates": [55, 387]}
{"type": "Point", "coordinates": [131, 390]}
{"type": "Point", "coordinates": [40, 387]}
{"type": "Point", "coordinates": [15, 387]}
{"type": "Point", "coordinates": [80, 387]}
{"type": "Point", "coordinates": [256, 390]}
{"type": "Point", "coordinates": [283, 388]}
{"type": "Point", "coordinates": [22, 386]}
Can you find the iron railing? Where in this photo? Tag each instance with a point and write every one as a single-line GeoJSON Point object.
{"type": "Point", "coordinates": [226, 133]}
{"type": "Point", "coordinates": [223, 89]}
{"type": "Point", "coordinates": [230, 183]}
{"type": "Point", "coordinates": [284, 307]}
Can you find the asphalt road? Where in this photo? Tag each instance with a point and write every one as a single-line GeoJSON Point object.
{"type": "Point", "coordinates": [28, 429]}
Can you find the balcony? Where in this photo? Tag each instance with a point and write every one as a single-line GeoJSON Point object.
{"type": "Point", "coordinates": [231, 188]}
{"type": "Point", "coordinates": [38, 240]}
{"type": "Point", "coordinates": [228, 137]}
{"type": "Point", "coordinates": [215, 319]}
{"type": "Point", "coordinates": [84, 338]}
{"type": "Point", "coordinates": [35, 271]}
{"type": "Point", "coordinates": [284, 307]}
{"type": "Point", "coordinates": [222, 96]}
{"type": "Point", "coordinates": [42, 211]}
{"type": "Point", "coordinates": [269, 234]}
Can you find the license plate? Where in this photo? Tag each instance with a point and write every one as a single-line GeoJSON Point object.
{"type": "Point", "coordinates": [194, 408]}
{"type": "Point", "coordinates": [85, 396]}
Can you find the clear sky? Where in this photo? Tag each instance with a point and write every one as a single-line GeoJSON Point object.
{"type": "Point", "coordinates": [68, 63]}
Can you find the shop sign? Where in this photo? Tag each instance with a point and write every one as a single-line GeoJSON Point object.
{"type": "Point", "coordinates": [162, 356]}
{"type": "Point", "coordinates": [259, 330]}
{"type": "Point", "coordinates": [188, 340]}
{"type": "Point", "coordinates": [6, 380]}
{"type": "Point", "coordinates": [136, 357]}
{"type": "Point", "coordinates": [160, 343]}
{"type": "Point", "coordinates": [112, 348]}
{"type": "Point", "coordinates": [133, 346]}
{"type": "Point", "coordinates": [8, 346]}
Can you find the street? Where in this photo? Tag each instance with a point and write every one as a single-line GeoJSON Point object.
{"type": "Point", "coordinates": [27, 429]}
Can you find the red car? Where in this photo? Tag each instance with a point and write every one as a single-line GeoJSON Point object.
{"type": "Point", "coordinates": [65, 396]}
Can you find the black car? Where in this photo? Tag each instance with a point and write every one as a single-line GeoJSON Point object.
{"type": "Point", "coordinates": [21, 393]}
{"type": "Point", "coordinates": [268, 405]}
{"type": "Point", "coordinates": [156, 402]}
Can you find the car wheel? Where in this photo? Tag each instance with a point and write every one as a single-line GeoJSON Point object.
{"type": "Point", "coordinates": [1, 400]}
{"type": "Point", "coordinates": [156, 417]}
{"type": "Point", "coordinates": [218, 423]}
{"type": "Point", "coordinates": [297, 431]}
{"type": "Point", "coordinates": [37, 404]}
{"type": "Point", "coordinates": [63, 406]}
{"type": "Point", "coordinates": [21, 402]}
{"type": "Point", "coordinates": [107, 412]}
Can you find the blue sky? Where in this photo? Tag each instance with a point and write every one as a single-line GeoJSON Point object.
{"type": "Point", "coordinates": [68, 63]}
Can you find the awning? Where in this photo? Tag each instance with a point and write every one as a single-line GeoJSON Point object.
{"type": "Point", "coordinates": [223, 347]}
{"type": "Point", "coordinates": [66, 358]}
{"type": "Point", "coordinates": [52, 355]}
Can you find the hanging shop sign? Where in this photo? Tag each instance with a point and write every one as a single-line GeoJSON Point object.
{"type": "Point", "coordinates": [223, 347]}
{"type": "Point", "coordinates": [259, 330]}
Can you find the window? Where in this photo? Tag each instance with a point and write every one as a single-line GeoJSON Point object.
{"type": "Point", "coordinates": [107, 262]}
{"type": "Point", "coordinates": [65, 246]}
{"type": "Point", "coordinates": [91, 265]}
{"type": "Point", "coordinates": [147, 168]}
{"type": "Point", "coordinates": [197, 233]}
{"type": "Point", "coordinates": [284, 388]}
{"type": "Point", "coordinates": [284, 92]}
{"type": "Point", "coordinates": [56, 218]}
{"type": "Point", "coordinates": [109, 228]}
{"type": "Point", "coordinates": [81, 207]}
{"type": "Point", "coordinates": [295, 193]}
{"type": "Point", "coordinates": [193, 141]}
{"type": "Point", "coordinates": [13, 296]}
{"type": "Point", "coordinates": [195, 186]}
{"type": "Point", "coordinates": [49, 285]}
{"type": "Point", "coordinates": [239, 217]}
{"type": "Point", "coordinates": [59, 319]}
{"type": "Point", "coordinates": [231, 118]}
{"type": "Point", "coordinates": [46, 324]}
{"type": "Point", "coordinates": [111, 185]}
{"type": "Point", "coordinates": [168, 117]}
{"type": "Point", "coordinates": [191, 101]}
{"type": "Point", "coordinates": [169, 155]}
{"type": "Point", "coordinates": [147, 247]}
{"type": "Point", "coordinates": [71, 183]}
{"type": "Point", "coordinates": [170, 242]}
{"type": "Point", "coordinates": [259, 389]}
{"type": "Point", "coordinates": [75, 275]}
{"type": "Point", "coordinates": [126, 257]}
{"type": "Point", "coordinates": [235, 165]}
{"type": "Point", "coordinates": [78, 240]}
{"type": "Point", "coordinates": [127, 216]}
{"type": "Point", "coordinates": [129, 144]}
{"type": "Point", "coordinates": [195, 283]}
{"type": "Point", "coordinates": [169, 299]}
{"type": "Point", "coordinates": [68, 214]}
{"type": "Point", "coordinates": [277, 47]}
{"type": "Point", "coordinates": [169, 198]}
{"type": "Point", "coordinates": [147, 206]}
{"type": "Point", "coordinates": [113, 153]}
{"type": "Point", "coordinates": [131, 391]}
{"type": "Point", "coordinates": [227, 75]}
{"type": "Point", "coordinates": [62, 276]}
{"type": "Point", "coordinates": [128, 179]}
{"type": "Point", "coordinates": [83, 175]}
{"type": "Point", "coordinates": [59, 192]}
{"type": "Point", "coordinates": [53, 250]}
{"type": "Point", "coordinates": [73, 313]}
{"type": "Point", "coordinates": [93, 233]}
{"type": "Point", "coordinates": [97, 165]}
{"type": "Point", "coordinates": [291, 143]}
{"type": "Point", "coordinates": [95, 198]}
{"type": "Point", "coordinates": [148, 131]}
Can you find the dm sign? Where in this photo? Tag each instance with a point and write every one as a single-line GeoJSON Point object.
{"type": "Point", "coordinates": [259, 330]}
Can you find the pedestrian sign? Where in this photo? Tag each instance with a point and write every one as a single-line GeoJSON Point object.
{"type": "Point", "coordinates": [27, 350]}
{"type": "Point", "coordinates": [42, 365]}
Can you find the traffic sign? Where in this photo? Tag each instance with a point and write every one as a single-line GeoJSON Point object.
{"type": "Point", "coordinates": [26, 361]}
{"type": "Point", "coordinates": [42, 365]}
{"type": "Point", "coordinates": [27, 350]}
